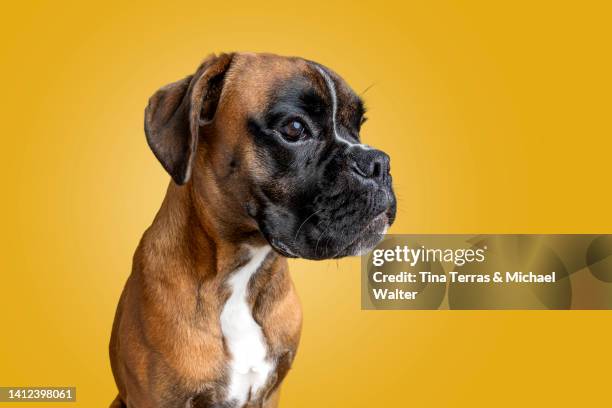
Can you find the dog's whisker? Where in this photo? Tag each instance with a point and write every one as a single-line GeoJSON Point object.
{"type": "Point", "coordinates": [300, 227]}
{"type": "Point", "coordinates": [367, 89]}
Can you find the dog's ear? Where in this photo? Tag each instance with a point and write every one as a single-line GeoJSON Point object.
{"type": "Point", "coordinates": [176, 112]}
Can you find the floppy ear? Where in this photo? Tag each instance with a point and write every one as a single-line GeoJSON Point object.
{"type": "Point", "coordinates": [176, 112]}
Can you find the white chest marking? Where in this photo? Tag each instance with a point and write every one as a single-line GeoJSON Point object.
{"type": "Point", "coordinates": [249, 368]}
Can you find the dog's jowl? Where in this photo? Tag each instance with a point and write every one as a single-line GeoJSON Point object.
{"type": "Point", "coordinates": [266, 164]}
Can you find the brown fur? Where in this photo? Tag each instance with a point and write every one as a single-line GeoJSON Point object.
{"type": "Point", "coordinates": [167, 348]}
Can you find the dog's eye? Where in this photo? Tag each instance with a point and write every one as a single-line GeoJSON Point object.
{"type": "Point", "coordinates": [294, 131]}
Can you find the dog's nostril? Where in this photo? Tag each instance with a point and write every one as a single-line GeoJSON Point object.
{"type": "Point", "coordinates": [370, 164]}
{"type": "Point", "coordinates": [377, 170]}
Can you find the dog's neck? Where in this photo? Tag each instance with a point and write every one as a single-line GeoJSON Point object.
{"type": "Point", "coordinates": [185, 235]}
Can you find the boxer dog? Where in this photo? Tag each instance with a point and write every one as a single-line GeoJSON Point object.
{"type": "Point", "coordinates": [266, 164]}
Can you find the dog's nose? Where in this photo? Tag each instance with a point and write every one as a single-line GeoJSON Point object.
{"type": "Point", "coordinates": [370, 163]}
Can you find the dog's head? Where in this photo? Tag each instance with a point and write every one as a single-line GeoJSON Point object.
{"type": "Point", "coordinates": [271, 144]}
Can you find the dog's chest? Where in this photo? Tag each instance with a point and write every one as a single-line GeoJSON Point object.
{"type": "Point", "coordinates": [249, 367]}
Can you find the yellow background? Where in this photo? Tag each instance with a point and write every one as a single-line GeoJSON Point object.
{"type": "Point", "coordinates": [497, 118]}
